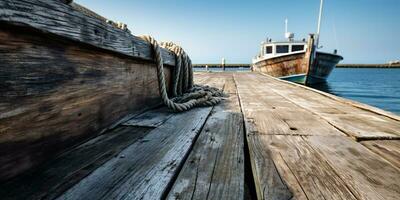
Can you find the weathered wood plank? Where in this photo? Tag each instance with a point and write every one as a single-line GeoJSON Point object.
{"type": "Point", "coordinates": [215, 167]}
{"type": "Point", "coordinates": [269, 182]}
{"type": "Point", "coordinates": [310, 169]}
{"type": "Point", "coordinates": [313, 165]}
{"type": "Point", "coordinates": [53, 16]}
{"type": "Point", "coordinates": [55, 93]}
{"type": "Point", "coordinates": [153, 118]}
{"type": "Point", "coordinates": [57, 175]}
{"type": "Point", "coordinates": [314, 177]}
{"type": "Point", "coordinates": [366, 174]}
{"type": "Point", "coordinates": [145, 169]}
{"type": "Point", "coordinates": [350, 102]}
{"type": "Point", "coordinates": [264, 107]}
{"type": "Point", "coordinates": [282, 161]}
{"type": "Point", "coordinates": [355, 121]}
{"type": "Point", "coordinates": [387, 149]}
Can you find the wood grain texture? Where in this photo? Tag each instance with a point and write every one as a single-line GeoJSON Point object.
{"type": "Point", "coordinates": [215, 166]}
{"type": "Point", "coordinates": [284, 65]}
{"type": "Point", "coordinates": [277, 161]}
{"type": "Point", "coordinates": [313, 165]}
{"type": "Point", "coordinates": [268, 182]}
{"type": "Point", "coordinates": [350, 102]}
{"type": "Point", "coordinates": [264, 107]}
{"type": "Point", "coordinates": [387, 149]}
{"type": "Point", "coordinates": [55, 94]}
{"type": "Point", "coordinates": [58, 174]}
{"type": "Point", "coordinates": [145, 169]}
{"type": "Point", "coordinates": [365, 173]}
{"type": "Point", "coordinates": [56, 17]}
{"type": "Point", "coordinates": [354, 121]}
{"type": "Point", "coordinates": [152, 118]}
{"type": "Point", "coordinates": [314, 177]}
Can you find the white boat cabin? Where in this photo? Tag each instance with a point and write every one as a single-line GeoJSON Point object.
{"type": "Point", "coordinates": [274, 49]}
{"type": "Point", "coordinates": [271, 49]}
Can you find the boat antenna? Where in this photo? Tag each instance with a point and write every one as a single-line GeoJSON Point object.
{"type": "Point", "coordinates": [286, 23]}
{"type": "Point", "coordinates": [288, 35]}
{"type": "Point", "coordinates": [319, 22]}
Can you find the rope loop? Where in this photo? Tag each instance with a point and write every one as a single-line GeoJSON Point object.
{"type": "Point", "coordinates": [185, 94]}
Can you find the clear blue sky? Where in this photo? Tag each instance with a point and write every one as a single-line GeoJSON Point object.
{"type": "Point", "coordinates": [363, 31]}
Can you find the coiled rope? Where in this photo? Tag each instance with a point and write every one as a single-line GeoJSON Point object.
{"type": "Point", "coordinates": [185, 94]}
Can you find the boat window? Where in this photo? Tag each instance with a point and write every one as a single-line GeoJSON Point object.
{"type": "Point", "coordinates": [297, 48]}
{"type": "Point", "coordinates": [282, 48]}
{"type": "Point", "coordinates": [268, 49]}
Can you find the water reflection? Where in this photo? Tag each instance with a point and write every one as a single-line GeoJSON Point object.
{"type": "Point", "coordinates": [376, 87]}
{"type": "Point", "coordinates": [324, 86]}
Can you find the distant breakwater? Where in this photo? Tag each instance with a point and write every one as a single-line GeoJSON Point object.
{"type": "Point", "coordinates": [368, 66]}
{"type": "Point", "coordinates": [338, 66]}
{"type": "Point", "coordinates": [221, 66]}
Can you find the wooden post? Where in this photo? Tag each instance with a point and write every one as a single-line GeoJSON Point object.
{"type": "Point", "coordinates": [310, 53]}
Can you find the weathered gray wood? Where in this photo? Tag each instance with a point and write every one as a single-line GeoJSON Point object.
{"type": "Point", "coordinates": [353, 103]}
{"type": "Point", "coordinates": [153, 118]}
{"type": "Point", "coordinates": [355, 121]}
{"type": "Point", "coordinates": [215, 166]}
{"type": "Point", "coordinates": [314, 177]}
{"type": "Point", "coordinates": [387, 149]}
{"type": "Point", "coordinates": [146, 168]}
{"type": "Point", "coordinates": [57, 175]}
{"type": "Point", "coordinates": [54, 94]}
{"type": "Point", "coordinates": [308, 172]}
{"type": "Point", "coordinates": [365, 173]}
{"type": "Point", "coordinates": [56, 17]}
{"type": "Point", "coordinates": [313, 165]}
{"type": "Point", "coordinates": [264, 107]}
{"type": "Point", "coordinates": [268, 182]}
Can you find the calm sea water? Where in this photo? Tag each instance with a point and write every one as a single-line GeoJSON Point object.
{"type": "Point", "coordinates": [373, 86]}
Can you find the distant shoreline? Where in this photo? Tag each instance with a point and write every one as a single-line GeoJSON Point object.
{"type": "Point", "coordinates": [338, 66]}
{"type": "Point", "coordinates": [368, 66]}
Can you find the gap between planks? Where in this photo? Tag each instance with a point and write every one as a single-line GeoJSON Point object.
{"type": "Point", "coordinates": [214, 168]}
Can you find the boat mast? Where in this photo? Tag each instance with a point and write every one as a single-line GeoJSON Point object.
{"type": "Point", "coordinates": [288, 35]}
{"type": "Point", "coordinates": [319, 23]}
{"type": "Point", "coordinates": [286, 23]}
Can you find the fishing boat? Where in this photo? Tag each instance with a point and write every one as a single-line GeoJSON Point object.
{"type": "Point", "coordinates": [296, 60]}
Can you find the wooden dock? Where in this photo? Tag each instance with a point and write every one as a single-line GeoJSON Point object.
{"type": "Point", "coordinates": [81, 118]}
{"type": "Point", "coordinates": [269, 139]}
{"type": "Point", "coordinates": [246, 65]}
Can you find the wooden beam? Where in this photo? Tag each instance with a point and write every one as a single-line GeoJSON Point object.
{"type": "Point", "coordinates": [58, 18]}
{"type": "Point", "coordinates": [56, 93]}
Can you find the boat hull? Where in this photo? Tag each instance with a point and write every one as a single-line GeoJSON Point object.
{"type": "Point", "coordinates": [297, 68]}
{"type": "Point", "coordinates": [283, 66]}
{"type": "Point", "coordinates": [298, 78]}
{"type": "Point", "coordinates": [322, 68]}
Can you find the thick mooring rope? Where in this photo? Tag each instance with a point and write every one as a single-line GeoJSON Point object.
{"type": "Point", "coordinates": [185, 94]}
